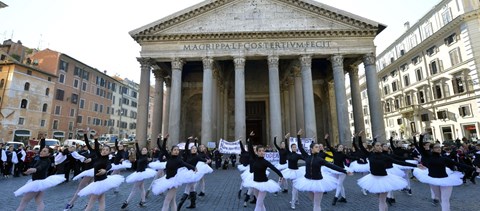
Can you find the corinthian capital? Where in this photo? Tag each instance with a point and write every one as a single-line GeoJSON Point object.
{"type": "Point", "coordinates": [337, 60]}
{"type": "Point", "coordinates": [353, 71]}
{"type": "Point", "coordinates": [207, 63]}
{"type": "Point", "coordinates": [239, 63]}
{"type": "Point", "coordinates": [145, 62]}
{"type": "Point", "coordinates": [273, 61]}
{"type": "Point", "coordinates": [306, 61]}
{"type": "Point", "coordinates": [369, 59]}
{"type": "Point", "coordinates": [177, 63]}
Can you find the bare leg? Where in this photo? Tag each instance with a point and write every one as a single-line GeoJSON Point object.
{"type": "Point", "coordinates": [83, 183]}
{"type": "Point", "coordinates": [436, 191]}
{"type": "Point", "coordinates": [91, 202]}
{"type": "Point", "coordinates": [101, 202]}
{"type": "Point", "coordinates": [158, 175]}
{"type": "Point", "coordinates": [445, 193]}
{"type": "Point", "coordinates": [382, 202]}
{"type": "Point", "coordinates": [39, 201]}
{"type": "Point", "coordinates": [168, 199]}
{"type": "Point", "coordinates": [317, 201]}
{"type": "Point", "coordinates": [134, 190]}
{"type": "Point", "coordinates": [27, 197]}
{"type": "Point", "coordinates": [141, 186]}
{"type": "Point", "coordinates": [260, 206]}
{"type": "Point", "coordinates": [340, 189]}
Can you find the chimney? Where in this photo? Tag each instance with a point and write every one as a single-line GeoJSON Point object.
{"type": "Point", "coordinates": [407, 26]}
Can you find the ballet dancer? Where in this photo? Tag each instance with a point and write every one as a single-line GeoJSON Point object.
{"type": "Point", "coordinates": [360, 165]}
{"type": "Point", "coordinates": [158, 165]}
{"type": "Point", "coordinates": [203, 153]}
{"type": "Point", "coordinates": [293, 172]}
{"type": "Point", "coordinates": [282, 164]}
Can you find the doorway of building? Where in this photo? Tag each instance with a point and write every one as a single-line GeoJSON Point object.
{"type": "Point", "coordinates": [256, 117]}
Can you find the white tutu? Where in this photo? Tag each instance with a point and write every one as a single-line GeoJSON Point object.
{"type": "Point", "coordinates": [395, 171]}
{"type": "Point", "coordinates": [124, 165]}
{"type": "Point", "coordinates": [293, 173]}
{"type": "Point", "coordinates": [157, 165]}
{"type": "Point", "coordinates": [102, 186]}
{"type": "Point", "coordinates": [406, 167]}
{"type": "Point", "coordinates": [268, 186]}
{"type": "Point", "coordinates": [203, 168]}
{"type": "Point", "coordinates": [325, 170]}
{"type": "Point", "coordinates": [360, 168]}
{"type": "Point", "coordinates": [140, 176]}
{"type": "Point", "coordinates": [184, 176]}
{"type": "Point", "coordinates": [326, 184]}
{"type": "Point", "coordinates": [163, 184]}
{"type": "Point", "coordinates": [454, 178]}
{"type": "Point", "coordinates": [281, 166]}
{"type": "Point", "coordinates": [40, 185]}
{"type": "Point", "coordinates": [382, 184]}
{"type": "Point", "coordinates": [247, 175]}
{"type": "Point", "coordinates": [242, 168]}
{"type": "Point", "coordinates": [86, 173]}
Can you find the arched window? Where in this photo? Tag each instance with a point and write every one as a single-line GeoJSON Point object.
{"type": "Point", "coordinates": [26, 87]}
{"type": "Point", "coordinates": [2, 82]}
{"type": "Point", "coordinates": [47, 91]}
{"type": "Point", "coordinates": [24, 103]}
{"type": "Point", "coordinates": [45, 106]}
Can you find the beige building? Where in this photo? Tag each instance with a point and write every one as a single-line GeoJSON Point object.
{"type": "Point", "coordinates": [273, 67]}
{"type": "Point", "coordinates": [429, 75]}
{"type": "Point", "coordinates": [124, 108]}
{"type": "Point", "coordinates": [25, 99]}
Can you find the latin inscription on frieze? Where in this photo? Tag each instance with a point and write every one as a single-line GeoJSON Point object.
{"type": "Point", "coordinates": [258, 45]}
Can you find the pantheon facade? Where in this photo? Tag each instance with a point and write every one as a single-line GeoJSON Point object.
{"type": "Point", "coordinates": [223, 68]}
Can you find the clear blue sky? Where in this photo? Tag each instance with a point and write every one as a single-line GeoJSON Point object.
{"type": "Point", "coordinates": [96, 31]}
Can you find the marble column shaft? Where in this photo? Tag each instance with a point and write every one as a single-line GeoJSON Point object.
{"type": "Point", "coordinates": [166, 108]}
{"type": "Point", "coordinates": [376, 111]}
{"type": "Point", "coordinates": [341, 99]}
{"type": "Point", "coordinates": [207, 100]}
{"type": "Point", "coordinates": [293, 111]}
{"type": "Point", "coordinates": [143, 101]}
{"type": "Point", "coordinates": [308, 101]}
{"type": "Point", "coordinates": [240, 119]}
{"type": "Point", "coordinates": [157, 108]}
{"type": "Point", "coordinates": [275, 104]}
{"type": "Point", "coordinates": [299, 114]}
{"type": "Point", "coordinates": [358, 117]}
{"type": "Point", "coordinates": [175, 101]}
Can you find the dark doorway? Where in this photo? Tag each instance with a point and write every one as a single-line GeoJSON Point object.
{"type": "Point", "coordinates": [256, 118]}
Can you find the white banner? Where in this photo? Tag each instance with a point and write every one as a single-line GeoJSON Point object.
{"type": "Point", "coordinates": [273, 157]}
{"type": "Point", "coordinates": [305, 141]}
{"type": "Point", "coordinates": [227, 147]}
{"type": "Point", "coordinates": [181, 146]}
{"type": "Point", "coordinates": [211, 145]}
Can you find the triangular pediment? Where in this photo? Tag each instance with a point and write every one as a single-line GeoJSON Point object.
{"type": "Point", "coordinates": [255, 16]}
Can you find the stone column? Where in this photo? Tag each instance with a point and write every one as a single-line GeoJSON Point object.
{"type": "Point", "coordinates": [175, 100]}
{"type": "Point", "coordinates": [293, 113]}
{"type": "Point", "coordinates": [358, 118]}
{"type": "Point", "coordinates": [143, 101]}
{"type": "Point", "coordinates": [344, 134]}
{"type": "Point", "coordinates": [166, 107]}
{"type": "Point", "coordinates": [376, 111]}
{"type": "Point", "coordinates": [207, 100]}
{"type": "Point", "coordinates": [157, 108]}
{"type": "Point", "coordinates": [308, 102]}
{"type": "Point", "coordinates": [240, 126]}
{"type": "Point", "coordinates": [286, 109]}
{"type": "Point", "coordinates": [299, 114]}
{"type": "Point", "coordinates": [275, 104]}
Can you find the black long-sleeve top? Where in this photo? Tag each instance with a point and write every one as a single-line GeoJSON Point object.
{"type": "Point", "coordinates": [173, 162]}
{"type": "Point", "coordinates": [293, 157]}
{"type": "Point", "coordinates": [101, 162]}
{"type": "Point", "coordinates": [142, 160]}
{"type": "Point", "coordinates": [258, 166]}
{"type": "Point", "coordinates": [190, 158]}
{"type": "Point", "coordinates": [161, 154]}
{"type": "Point", "coordinates": [424, 153]}
{"type": "Point", "coordinates": [437, 163]}
{"type": "Point", "coordinates": [339, 158]}
{"type": "Point", "coordinates": [89, 154]}
{"type": "Point", "coordinates": [282, 152]}
{"type": "Point", "coordinates": [400, 153]}
{"type": "Point", "coordinates": [42, 165]}
{"type": "Point", "coordinates": [120, 154]}
{"type": "Point", "coordinates": [361, 156]}
{"type": "Point", "coordinates": [476, 161]}
{"type": "Point", "coordinates": [379, 162]}
{"type": "Point", "coordinates": [314, 162]}
{"type": "Point", "coordinates": [244, 156]}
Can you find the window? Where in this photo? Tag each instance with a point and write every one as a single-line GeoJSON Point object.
{"type": "Point", "coordinates": [2, 83]}
{"type": "Point", "coordinates": [421, 97]}
{"type": "Point", "coordinates": [432, 50]}
{"type": "Point", "coordinates": [84, 86]}
{"type": "Point", "coordinates": [408, 100]}
{"type": "Point", "coordinates": [418, 73]}
{"type": "Point", "coordinates": [63, 66]}
{"type": "Point", "coordinates": [442, 115]}
{"type": "Point", "coordinates": [44, 108]}
{"type": "Point", "coordinates": [390, 122]}
{"type": "Point", "coordinates": [438, 92]}
{"type": "Point", "coordinates": [29, 72]}
{"type": "Point", "coordinates": [61, 78]}
{"type": "Point", "coordinates": [428, 29]}
{"type": "Point", "coordinates": [26, 87]}
{"type": "Point", "coordinates": [74, 98]}
{"type": "Point", "coordinates": [89, 120]}
{"type": "Point", "coordinates": [465, 111]}
{"type": "Point", "coordinates": [79, 119]}
{"type": "Point", "coordinates": [425, 118]}
{"type": "Point", "coordinates": [42, 123]}
{"type": "Point", "coordinates": [387, 107]}
{"type": "Point", "coordinates": [76, 83]}
{"type": "Point", "coordinates": [394, 73]}
{"type": "Point", "coordinates": [55, 124]}
{"type": "Point", "coordinates": [455, 56]}
{"type": "Point", "coordinates": [435, 67]}
{"type": "Point", "coordinates": [60, 94]}
{"type": "Point", "coordinates": [49, 78]}
{"type": "Point", "coordinates": [95, 107]}
{"type": "Point", "coordinates": [77, 71]}
{"type": "Point", "coordinates": [404, 67]}
{"type": "Point", "coordinates": [397, 103]}
{"type": "Point", "coordinates": [416, 60]}
{"type": "Point", "coordinates": [86, 75]}
{"type": "Point", "coordinates": [21, 121]}
{"type": "Point", "coordinates": [58, 109]}
{"type": "Point", "coordinates": [101, 108]}
{"type": "Point", "coordinates": [406, 80]}
{"type": "Point", "coordinates": [451, 39]}
{"type": "Point", "coordinates": [134, 94]}
{"type": "Point", "coordinates": [70, 126]}
{"type": "Point", "coordinates": [82, 103]}
{"type": "Point", "coordinates": [458, 84]}
{"type": "Point", "coordinates": [134, 104]}
{"type": "Point", "coordinates": [446, 16]}
{"type": "Point", "coordinates": [365, 110]}
{"type": "Point", "coordinates": [385, 90]}
{"type": "Point", "coordinates": [72, 112]}
{"type": "Point", "coordinates": [399, 121]}
{"type": "Point", "coordinates": [364, 94]}
{"type": "Point", "coordinates": [47, 91]}
{"type": "Point", "coordinates": [394, 86]}
{"type": "Point", "coordinates": [24, 103]}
